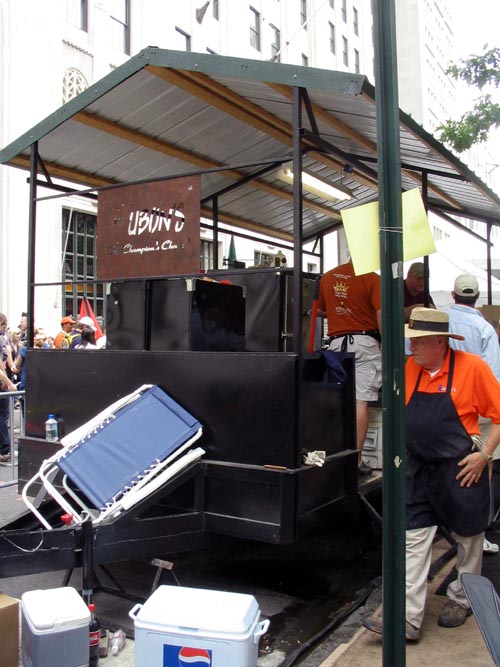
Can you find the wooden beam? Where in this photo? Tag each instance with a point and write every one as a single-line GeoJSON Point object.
{"type": "Point", "coordinates": [65, 173]}
{"type": "Point", "coordinates": [167, 148]}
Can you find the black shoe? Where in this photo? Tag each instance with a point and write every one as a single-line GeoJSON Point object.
{"type": "Point", "coordinates": [364, 470]}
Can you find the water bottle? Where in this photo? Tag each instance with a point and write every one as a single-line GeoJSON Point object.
{"type": "Point", "coordinates": [117, 641]}
{"type": "Point", "coordinates": [94, 637]}
{"type": "Point", "coordinates": [51, 430]}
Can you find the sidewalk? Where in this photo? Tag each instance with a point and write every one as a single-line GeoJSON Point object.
{"type": "Point", "coordinates": [442, 647]}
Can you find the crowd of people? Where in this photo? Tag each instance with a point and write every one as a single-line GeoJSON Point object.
{"type": "Point", "coordinates": [74, 334]}
{"type": "Point", "coordinates": [77, 334]}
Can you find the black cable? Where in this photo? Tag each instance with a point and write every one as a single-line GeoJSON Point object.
{"type": "Point", "coordinates": [332, 625]}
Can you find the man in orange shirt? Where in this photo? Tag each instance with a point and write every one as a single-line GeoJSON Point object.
{"type": "Point", "coordinates": [61, 341]}
{"type": "Point", "coordinates": [352, 306]}
{"type": "Point", "coordinates": [446, 477]}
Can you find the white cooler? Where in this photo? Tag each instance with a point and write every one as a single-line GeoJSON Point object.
{"type": "Point", "coordinates": [194, 627]}
{"type": "Point", "coordinates": [55, 628]}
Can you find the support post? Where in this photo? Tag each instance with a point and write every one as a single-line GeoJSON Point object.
{"type": "Point", "coordinates": [215, 221]}
{"type": "Point", "coordinates": [87, 545]}
{"type": "Point", "coordinates": [488, 263]}
{"type": "Point", "coordinates": [297, 220]}
{"type": "Point", "coordinates": [425, 194]}
{"type": "Point", "coordinates": [32, 245]}
{"type": "Point", "coordinates": [391, 259]}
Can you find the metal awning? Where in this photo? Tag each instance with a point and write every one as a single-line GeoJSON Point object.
{"type": "Point", "coordinates": [167, 113]}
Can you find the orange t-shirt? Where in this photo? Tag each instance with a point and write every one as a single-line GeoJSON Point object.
{"type": "Point", "coordinates": [351, 302]}
{"type": "Point", "coordinates": [59, 339]}
{"type": "Point", "coordinates": [475, 390]}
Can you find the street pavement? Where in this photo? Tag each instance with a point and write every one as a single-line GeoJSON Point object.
{"type": "Point", "coordinates": [349, 645]}
{"type": "Point", "coordinates": [273, 606]}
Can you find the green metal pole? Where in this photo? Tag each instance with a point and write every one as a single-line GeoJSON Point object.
{"type": "Point", "coordinates": [391, 256]}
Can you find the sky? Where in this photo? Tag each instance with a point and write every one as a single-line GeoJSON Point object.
{"type": "Point", "coordinates": [478, 23]}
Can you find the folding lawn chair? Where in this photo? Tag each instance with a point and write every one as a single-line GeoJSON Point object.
{"type": "Point", "coordinates": [118, 458]}
{"type": "Point", "coordinates": [485, 604]}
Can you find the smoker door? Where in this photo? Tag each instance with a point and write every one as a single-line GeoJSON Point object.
{"type": "Point", "coordinates": [269, 308]}
{"type": "Point", "coordinates": [197, 315]}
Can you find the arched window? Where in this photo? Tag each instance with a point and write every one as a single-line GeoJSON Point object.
{"type": "Point", "coordinates": [73, 84]}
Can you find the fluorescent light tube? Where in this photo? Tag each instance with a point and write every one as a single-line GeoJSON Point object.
{"type": "Point", "coordinates": [316, 185]}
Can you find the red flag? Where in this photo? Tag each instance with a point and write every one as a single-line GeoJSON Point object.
{"type": "Point", "coordinates": [86, 311]}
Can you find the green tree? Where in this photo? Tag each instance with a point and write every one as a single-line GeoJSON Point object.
{"type": "Point", "coordinates": [473, 127]}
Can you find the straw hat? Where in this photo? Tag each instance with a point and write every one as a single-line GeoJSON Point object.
{"type": "Point", "coordinates": [429, 322]}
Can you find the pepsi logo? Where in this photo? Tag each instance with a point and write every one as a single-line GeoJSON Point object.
{"type": "Point", "coordinates": [194, 657]}
{"type": "Point", "coordinates": [186, 656]}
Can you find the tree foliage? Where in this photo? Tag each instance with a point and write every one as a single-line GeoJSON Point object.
{"type": "Point", "coordinates": [473, 127]}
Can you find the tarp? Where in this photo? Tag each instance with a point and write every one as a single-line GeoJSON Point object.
{"type": "Point", "coordinates": [445, 265]}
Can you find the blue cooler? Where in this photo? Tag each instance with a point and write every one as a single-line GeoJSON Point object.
{"type": "Point", "coordinates": [55, 628]}
{"type": "Point", "coordinates": [179, 626]}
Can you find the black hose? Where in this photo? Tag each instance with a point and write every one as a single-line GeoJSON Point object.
{"type": "Point", "coordinates": [337, 620]}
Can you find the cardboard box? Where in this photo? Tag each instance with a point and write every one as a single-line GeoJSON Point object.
{"type": "Point", "coordinates": [492, 314]}
{"type": "Point", "coordinates": [9, 631]}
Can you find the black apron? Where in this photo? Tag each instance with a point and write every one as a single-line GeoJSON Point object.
{"type": "Point", "coordinates": [436, 441]}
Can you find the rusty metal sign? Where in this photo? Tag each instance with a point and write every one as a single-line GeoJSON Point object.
{"type": "Point", "coordinates": [149, 230]}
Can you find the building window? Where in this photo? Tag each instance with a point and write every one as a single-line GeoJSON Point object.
{"type": "Point", "coordinates": [345, 51]}
{"type": "Point", "coordinates": [184, 39]}
{"type": "Point", "coordinates": [215, 9]}
{"type": "Point", "coordinates": [74, 83]}
{"type": "Point", "coordinates": [120, 25]}
{"type": "Point", "coordinates": [264, 259]}
{"type": "Point", "coordinates": [332, 38]}
{"type": "Point", "coordinates": [254, 28]}
{"type": "Point", "coordinates": [344, 11]}
{"type": "Point", "coordinates": [79, 262]}
{"type": "Point", "coordinates": [77, 13]}
{"type": "Point", "coordinates": [305, 60]}
{"type": "Point", "coordinates": [206, 255]}
{"type": "Point", "coordinates": [276, 44]}
{"type": "Point", "coordinates": [356, 61]}
{"type": "Point", "coordinates": [355, 23]}
{"type": "Point", "coordinates": [303, 14]}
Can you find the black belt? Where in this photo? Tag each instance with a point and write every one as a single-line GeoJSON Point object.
{"type": "Point", "coordinates": [372, 334]}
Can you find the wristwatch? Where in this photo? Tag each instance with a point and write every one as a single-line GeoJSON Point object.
{"type": "Point", "coordinates": [487, 457]}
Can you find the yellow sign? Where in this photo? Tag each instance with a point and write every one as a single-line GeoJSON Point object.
{"type": "Point", "coordinates": [361, 225]}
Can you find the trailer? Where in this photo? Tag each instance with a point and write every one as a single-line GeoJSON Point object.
{"type": "Point", "coordinates": [221, 128]}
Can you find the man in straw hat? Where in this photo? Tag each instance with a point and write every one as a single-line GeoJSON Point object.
{"type": "Point", "coordinates": [446, 477]}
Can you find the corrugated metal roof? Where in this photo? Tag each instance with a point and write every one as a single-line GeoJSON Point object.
{"type": "Point", "coordinates": [166, 113]}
